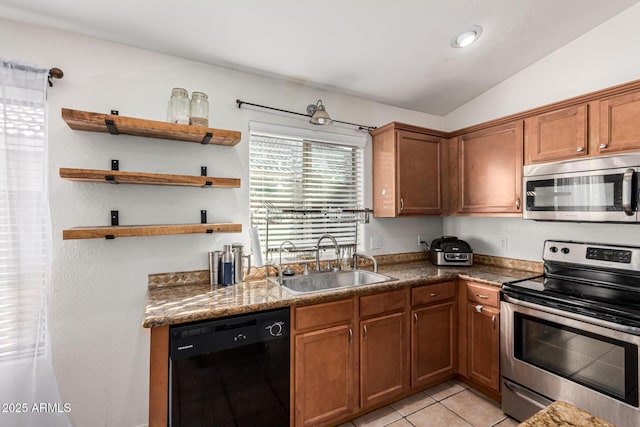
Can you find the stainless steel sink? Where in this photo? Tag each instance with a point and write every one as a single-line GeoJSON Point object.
{"type": "Point", "coordinates": [318, 282]}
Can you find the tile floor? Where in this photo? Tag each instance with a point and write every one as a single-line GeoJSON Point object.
{"type": "Point", "coordinates": [449, 404]}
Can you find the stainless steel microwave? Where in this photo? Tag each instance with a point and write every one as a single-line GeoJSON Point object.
{"type": "Point", "coordinates": [599, 189]}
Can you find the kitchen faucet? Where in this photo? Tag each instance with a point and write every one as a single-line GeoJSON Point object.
{"type": "Point", "coordinates": [367, 256]}
{"type": "Point", "coordinates": [337, 247]}
{"type": "Point", "coordinates": [275, 265]}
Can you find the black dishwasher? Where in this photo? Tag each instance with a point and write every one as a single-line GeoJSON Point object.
{"type": "Point", "coordinates": [232, 371]}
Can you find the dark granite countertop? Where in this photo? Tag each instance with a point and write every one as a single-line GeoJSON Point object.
{"type": "Point", "coordinates": [187, 303]}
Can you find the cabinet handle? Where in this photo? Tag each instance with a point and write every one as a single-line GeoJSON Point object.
{"type": "Point", "coordinates": [415, 319]}
{"type": "Point", "coordinates": [401, 204]}
{"type": "Point", "coordinates": [603, 146]}
{"type": "Point", "coordinates": [479, 308]}
{"type": "Point", "coordinates": [434, 294]}
{"type": "Point", "coordinates": [580, 149]}
{"type": "Point", "coordinates": [350, 336]}
{"type": "Point", "coordinates": [365, 331]}
{"type": "Point", "coordinates": [518, 203]}
{"type": "Point", "coordinates": [482, 296]}
{"type": "Point", "coordinates": [493, 321]}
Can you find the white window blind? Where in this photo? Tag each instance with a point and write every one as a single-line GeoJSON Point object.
{"type": "Point", "coordinates": [23, 242]}
{"type": "Point", "coordinates": [304, 186]}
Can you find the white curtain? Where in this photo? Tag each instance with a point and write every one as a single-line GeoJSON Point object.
{"type": "Point", "coordinates": [28, 390]}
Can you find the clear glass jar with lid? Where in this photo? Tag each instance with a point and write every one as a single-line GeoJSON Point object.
{"type": "Point", "coordinates": [200, 109]}
{"type": "Point", "coordinates": [179, 109]}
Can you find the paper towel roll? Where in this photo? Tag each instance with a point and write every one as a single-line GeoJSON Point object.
{"type": "Point", "coordinates": [256, 249]}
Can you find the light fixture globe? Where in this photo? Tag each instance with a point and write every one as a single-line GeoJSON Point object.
{"type": "Point", "coordinates": [319, 115]}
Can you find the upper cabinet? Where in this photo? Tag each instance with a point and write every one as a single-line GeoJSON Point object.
{"type": "Point", "coordinates": [407, 171]}
{"type": "Point", "coordinates": [557, 135]}
{"type": "Point", "coordinates": [618, 124]}
{"type": "Point", "coordinates": [487, 170]}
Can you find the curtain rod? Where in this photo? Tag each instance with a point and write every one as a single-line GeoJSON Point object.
{"type": "Point", "coordinates": [360, 127]}
{"type": "Point", "coordinates": [55, 72]}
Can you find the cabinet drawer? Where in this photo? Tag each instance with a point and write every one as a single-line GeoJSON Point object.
{"type": "Point", "coordinates": [382, 303]}
{"type": "Point", "coordinates": [324, 315]}
{"type": "Point", "coordinates": [487, 295]}
{"type": "Point", "coordinates": [433, 293]}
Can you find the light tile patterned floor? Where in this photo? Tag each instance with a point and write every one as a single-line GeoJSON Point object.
{"type": "Point", "coordinates": [448, 404]}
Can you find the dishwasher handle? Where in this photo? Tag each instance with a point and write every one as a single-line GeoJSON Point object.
{"type": "Point", "coordinates": [226, 333]}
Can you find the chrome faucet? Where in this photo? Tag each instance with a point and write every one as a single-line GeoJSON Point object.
{"type": "Point", "coordinates": [335, 243]}
{"type": "Point", "coordinates": [367, 256]}
{"type": "Point", "coordinates": [275, 265]}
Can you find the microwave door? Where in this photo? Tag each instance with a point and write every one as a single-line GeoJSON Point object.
{"type": "Point", "coordinates": [600, 196]}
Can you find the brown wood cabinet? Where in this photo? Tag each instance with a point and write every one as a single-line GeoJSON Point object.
{"type": "Point", "coordinates": [324, 380]}
{"type": "Point", "coordinates": [617, 119]}
{"type": "Point", "coordinates": [483, 347]}
{"type": "Point", "coordinates": [432, 333]}
{"type": "Point", "coordinates": [488, 170]}
{"type": "Point", "coordinates": [407, 171]}
{"type": "Point", "coordinates": [383, 346]}
{"type": "Point", "coordinates": [557, 135]}
{"type": "Point", "coordinates": [479, 317]}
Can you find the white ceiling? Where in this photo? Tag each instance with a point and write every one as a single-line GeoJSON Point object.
{"type": "Point", "coordinates": [392, 51]}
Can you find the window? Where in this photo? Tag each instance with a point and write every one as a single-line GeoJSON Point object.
{"type": "Point", "coordinates": [302, 182]}
{"type": "Point", "coordinates": [23, 213]}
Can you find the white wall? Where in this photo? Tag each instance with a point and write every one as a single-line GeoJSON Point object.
{"type": "Point", "coordinates": [606, 56]}
{"type": "Point", "coordinates": [98, 292]}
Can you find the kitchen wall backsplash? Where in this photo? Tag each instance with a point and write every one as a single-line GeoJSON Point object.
{"type": "Point", "coordinates": [201, 277]}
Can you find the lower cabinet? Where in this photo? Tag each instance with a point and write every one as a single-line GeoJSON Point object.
{"type": "Point", "coordinates": [484, 348]}
{"type": "Point", "coordinates": [323, 375]}
{"type": "Point", "coordinates": [324, 386]}
{"type": "Point", "coordinates": [480, 358]}
{"type": "Point", "coordinates": [383, 346]}
{"type": "Point", "coordinates": [362, 352]}
{"type": "Point", "coordinates": [432, 333]}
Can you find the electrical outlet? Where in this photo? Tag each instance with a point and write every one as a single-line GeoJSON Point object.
{"type": "Point", "coordinates": [375, 242]}
{"type": "Point", "coordinates": [502, 241]}
{"type": "Point", "coordinates": [421, 238]}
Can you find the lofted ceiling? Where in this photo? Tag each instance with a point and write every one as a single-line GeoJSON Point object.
{"type": "Point", "coordinates": [392, 51]}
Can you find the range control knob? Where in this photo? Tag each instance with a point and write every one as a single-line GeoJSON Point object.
{"type": "Point", "coordinates": [565, 250]}
{"type": "Point", "coordinates": [553, 249]}
{"type": "Point", "coordinates": [275, 329]}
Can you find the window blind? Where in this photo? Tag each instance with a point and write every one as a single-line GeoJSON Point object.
{"type": "Point", "coordinates": [303, 187]}
{"type": "Point", "coordinates": [23, 226]}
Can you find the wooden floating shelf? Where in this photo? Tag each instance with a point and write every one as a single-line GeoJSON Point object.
{"type": "Point", "coordinates": [111, 232]}
{"type": "Point", "coordinates": [121, 177]}
{"type": "Point", "coordinates": [98, 122]}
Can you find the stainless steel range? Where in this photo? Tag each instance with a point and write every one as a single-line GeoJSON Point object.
{"type": "Point", "coordinates": [573, 333]}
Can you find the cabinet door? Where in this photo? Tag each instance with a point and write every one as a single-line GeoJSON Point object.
{"type": "Point", "coordinates": [619, 124]}
{"type": "Point", "coordinates": [382, 358]}
{"type": "Point", "coordinates": [432, 343]}
{"type": "Point", "coordinates": [490, 170]}
{"type": "Point", "coordinates": [418, 172]}
{"type": "Point", "coordinates": [323, 375]}
{"type": "Point", "coordinates": [483, 345]}
{"type": "Point", "coordinates": [556, 135]}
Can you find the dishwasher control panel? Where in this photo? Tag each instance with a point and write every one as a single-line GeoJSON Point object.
{"type": "Point", "coordinates": [228, 332]}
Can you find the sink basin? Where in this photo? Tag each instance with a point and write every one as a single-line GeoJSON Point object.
{"type": "Point", "coordinates": [324, 281]}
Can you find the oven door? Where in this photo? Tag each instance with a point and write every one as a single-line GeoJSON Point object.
{"type": "Point", "coordinates": [564, 356]}
{"type": "Point", "coordinates": [599, 195]}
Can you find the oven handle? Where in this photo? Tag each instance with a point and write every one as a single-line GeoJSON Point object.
{"type": "Point", "coordinates": [627, 188]}
{"type": "Point", "coordinates": [571, 315]}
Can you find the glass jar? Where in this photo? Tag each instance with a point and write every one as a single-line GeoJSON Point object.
{"type": "Point", "coordinates": [199, 109]}
{"type": "Point", "coordinates": [179, 108]}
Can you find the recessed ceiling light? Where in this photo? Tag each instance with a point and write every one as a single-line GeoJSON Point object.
{"type": "Point", "coordinates": [466, 36]}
